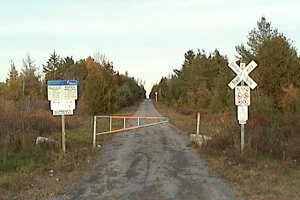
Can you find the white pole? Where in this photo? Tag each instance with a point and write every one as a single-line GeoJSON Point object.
{"type": "Point", "coordinates": [138, 122]}
{"type": "Point", "coordinates": [242, 65]}
{"type": "Point", "coordinates": [124, 122]}
{"type": "Point", "coordinates": [63, 134]}
{"type": "Point", "coordinates": [198, 123]}
{"type": "Point", "coordinates": [242, 137]}
{"type": "Point", "coordinates": [95, 130]}
{"type": "Point", "coordinates": [110, 123]}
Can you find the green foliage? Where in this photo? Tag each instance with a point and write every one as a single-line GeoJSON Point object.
{"type": "Point", "coordinates": [14, 162]}
{"type": "Point", "coordinates": [13, 89]}
{"type": "Point", "coordinates": [99, 91]}
{"type": "Point", "coordinates": [256, 38]}
{"type": "Point", "coordinates": [199, 85]}
{"type": "Point", "coordinates": [2, 88]}
{"type": "Point", "coordinates": [76, 71]}
{"type": "Point", "coordinates": [105, 90]}
{"type": "Point", "coordinates": [30, 79]}
{"type": "Point", "coordinates": [264, 105]}
{"type": "Point", "coordinates": [124, 95]}
{"type": "Point", "coordinates": [129, 93]}
{"type": "Point", "coordinates": [277, 69]}
{"type": "Point", "coordinates": [53, 69]}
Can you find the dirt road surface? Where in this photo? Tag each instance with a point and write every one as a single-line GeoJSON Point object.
{"type": "Point", "coordinates": [150, 163]}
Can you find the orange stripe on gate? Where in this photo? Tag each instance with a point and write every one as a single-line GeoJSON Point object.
{"type": "Point", "coordinates": [150, 117]}
{"type": "Point", "coordinates": [122, 117]}
{"type": "Point", "coordinates": [121, 130]}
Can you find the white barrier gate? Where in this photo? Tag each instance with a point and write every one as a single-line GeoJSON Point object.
{"type": "Point", "coordinates": [95, 133]}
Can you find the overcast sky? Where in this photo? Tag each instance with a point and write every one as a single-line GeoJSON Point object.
{"type": "Point", "coordinates": [146, 38]}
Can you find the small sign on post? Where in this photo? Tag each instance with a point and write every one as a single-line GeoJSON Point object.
{"type": "Point", "coordinates": [242, 93]}
{"type": "Point", "coordinates": [242, 114]}
{"type": "Point", "coordinates": [242, 96]}
{"type": "Point", "coordinates": [62, 95]}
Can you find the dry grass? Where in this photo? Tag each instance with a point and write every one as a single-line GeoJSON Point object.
{"type": "Point", "coordinates": [260, 178]}
{"type": "Point", "coordinates": [183, 122]}
{"type": "Point", "coordinates": [253, 177]}
{"type": "Point", "coordinates": [40, 173]}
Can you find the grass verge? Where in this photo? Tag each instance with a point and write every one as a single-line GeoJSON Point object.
{"type": "Point", "coordinates": [41, 173]}
{"type": "Point", "coordinates": [254, 178]}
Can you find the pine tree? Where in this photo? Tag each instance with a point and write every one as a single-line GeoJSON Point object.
{"type": "Point", "coordinates": [13, 89]}
{"type": "Point", "coordinates": [99, 93]}
{"type": "Point", "coordinates": [53, 69]}
{"type": "Point", "coordinates": [30, 78]}
{"type": "Point", "coordinates": [256, 38]}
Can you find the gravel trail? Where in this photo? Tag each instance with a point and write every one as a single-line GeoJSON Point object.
{"type": "Point", "coordinates": [150, 163]}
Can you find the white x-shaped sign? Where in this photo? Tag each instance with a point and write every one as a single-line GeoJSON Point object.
{"type": "Point", "coordinates": [243, 74]}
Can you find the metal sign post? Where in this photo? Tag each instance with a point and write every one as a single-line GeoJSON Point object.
{"type": "Point", "coordinates": [242, 93]}
{"type": "Point", "coordinates": [62, 95]}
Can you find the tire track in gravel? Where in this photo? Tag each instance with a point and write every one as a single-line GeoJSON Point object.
{"type": "Point", "coordinates": [150, 163]}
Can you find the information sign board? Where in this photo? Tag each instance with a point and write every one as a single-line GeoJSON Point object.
{"type": "Point", "coordinates": [62, 90]}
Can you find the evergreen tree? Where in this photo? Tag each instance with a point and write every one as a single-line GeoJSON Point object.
{"type": "Point", "coordinates": [30, 78]}
{"type": "Point", "coordinates": [99, 93]}
{"type": "Point", "coordinates": [277, 69]}
{"type": "Point", "coordinates": [256, 38]}
{"type": "Point", "coordinates": [13, 89]}
{"type": "Point", "coordinates": [53, 69]}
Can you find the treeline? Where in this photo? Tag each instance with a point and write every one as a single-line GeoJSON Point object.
{"type": "Point", "coordinates": [101, 88]}
{"type": "Point", "coordinates": [201, 85]}
{"type": "Point", "coordinates": [25, 110]}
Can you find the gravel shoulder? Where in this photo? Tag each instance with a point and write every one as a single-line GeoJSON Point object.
{"type": "Point", "coordinates": [150, 163]}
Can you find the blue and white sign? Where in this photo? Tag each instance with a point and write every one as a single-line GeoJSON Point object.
{"type": "Point", "coordinates": [62, 95]}
{"type": "Point", "coordinates": [62, 90]}
{"type": "Point", "coordinates": [62, 82]}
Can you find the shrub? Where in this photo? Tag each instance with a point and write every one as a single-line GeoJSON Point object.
{"type": "Point", "coordinates": [20, 127]}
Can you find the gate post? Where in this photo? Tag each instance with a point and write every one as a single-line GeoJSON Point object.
{"type": "Point", "coordinates": [95, 130]}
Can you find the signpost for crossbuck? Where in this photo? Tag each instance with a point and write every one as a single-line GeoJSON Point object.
{"type": "Point", "coordinates": [242, 92]}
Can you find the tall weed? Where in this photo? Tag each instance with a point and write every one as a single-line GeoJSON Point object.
{"type": "Point", "coordinates": [21, 122]}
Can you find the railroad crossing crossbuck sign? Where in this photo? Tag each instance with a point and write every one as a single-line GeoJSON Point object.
{"type": "Point", "coordinates": [242, 92]}
{"type": "Point", "coordinates": [243, 74]}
